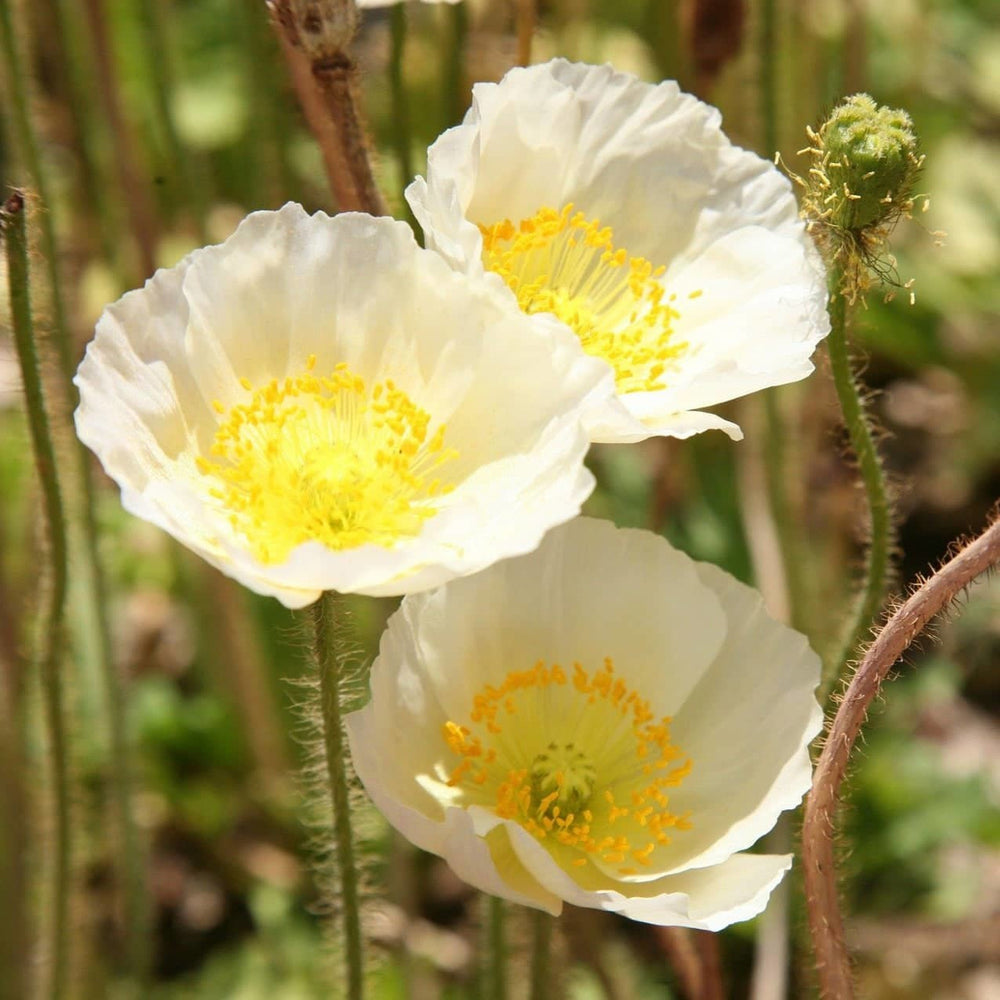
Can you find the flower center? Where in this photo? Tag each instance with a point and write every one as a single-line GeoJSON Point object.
{"type": "Point", "coordinates": [576, 758]}
{"type": "Point", "coordinates": [561, 262]}
{"type": "Point", "coordinates": [561, 776]}
{"type": "Point", "coordinates": [320, 458]}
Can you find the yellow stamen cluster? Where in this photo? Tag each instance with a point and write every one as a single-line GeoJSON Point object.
{"type": "Point", "coordinates": [561, 262]}
{"type": "Point", "coordinates": [322, 458]}
{"type": "Point", "coordinates": [577, 758]}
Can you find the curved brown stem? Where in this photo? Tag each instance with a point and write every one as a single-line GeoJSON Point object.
{"type": "Point", "coordinates": [909, 621]}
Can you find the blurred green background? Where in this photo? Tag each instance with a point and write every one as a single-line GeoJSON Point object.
{"type": "Point", "coordinates": [161, 123]}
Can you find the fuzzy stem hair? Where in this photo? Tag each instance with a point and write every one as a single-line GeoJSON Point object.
{"type": "Point", "coordinates": [49, 644]}
{"type": "Point", "coordinates": [862, 437]}
{"type": "Point", "coordinates": [330, 656]}
{"type": "Point", "coordinates": [826, 924]}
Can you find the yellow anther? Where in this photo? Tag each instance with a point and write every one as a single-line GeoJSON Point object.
{"type": "Point", "coordinates": [563, 263]}
{"type": "Point", "coordinates": [319, 458]}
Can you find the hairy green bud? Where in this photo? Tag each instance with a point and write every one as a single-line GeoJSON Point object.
{"type": "Point", "coordinates": [871, 160]}
{"type": "Point", "coordinates": [859, 186]}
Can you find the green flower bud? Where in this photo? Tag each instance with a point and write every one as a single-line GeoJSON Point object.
{"type": "Point", "coordinates": [870, 159]}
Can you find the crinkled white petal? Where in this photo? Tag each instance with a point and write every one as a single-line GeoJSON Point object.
{"type": "Point", "coordinates": [654, 164]}
{"type": "Point", "coordinates": [350, 289]}
{"type": "Point", "coordinates": [707, 898]}
{"type": "Point", "coordinates": [685, 636]}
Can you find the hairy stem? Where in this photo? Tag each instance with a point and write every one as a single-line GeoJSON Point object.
{"type": "Point", "coordinates": [329, 653]}
{"type": "Point", "coordinates": [873, 479]}
{"type": "Point", "coordinates": [83, 536]}
{"type": "Point", "coordinates": [325, 79]}
{"type": "Point", "coordinates": [48, 652]}
{"type": "Point", "coordinates": [17, 106]}
{"type": "Point", "coordinates": [541, 955]}
{"type": "Point", "coordinates": [819, 867]}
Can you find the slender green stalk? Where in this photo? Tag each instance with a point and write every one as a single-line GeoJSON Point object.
{"type": "Point", "coordinates": [495, 987]}
{"type": "Point", "coordinates": [187, 187]}
{"type": "Point", "coordinates": [48, 652]}
{"type": "Point", "coordinates": [17, 107]}
{"type": "Point", "coordinates": [541, 954]}
{"type": "Point", "coordinates": [83, 541]}
{"type": "Point", "coordinates": [329, 653]}
{"type": "Point", "coordinates": [767, 54]}
{"type": "Point", "coordinates": [72, 55]}
{"type": "Point", "coordinates": [456, 95]}
{"type": "Point", "coordinates": [775, 447]}
{"type": "Point", "coordinates": [401, 133]}
{"type": "Point", "coordinates": [873, 478]}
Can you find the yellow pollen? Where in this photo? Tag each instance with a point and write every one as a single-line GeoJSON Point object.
{"type": "Point", "coordinates": [587, 771]}
{"type": "Point", "coordinates": [561, 262]}
{"type": "Point", "coordinates": [322, 458]}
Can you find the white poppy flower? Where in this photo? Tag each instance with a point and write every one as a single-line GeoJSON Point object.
{"type": "Point", "coordinates": [621, 210]}
{"type": "Point", "coordinates": [603, 722]}
{"type": "Point", "coordinates": [318, 404]}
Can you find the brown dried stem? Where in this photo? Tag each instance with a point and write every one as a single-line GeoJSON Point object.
{"type": "Point", "coordinates": [909, 621]}
{"type": "Point", "coordinates": [315, 36]}
{"type": "Point", "coordinates": [527, 17]}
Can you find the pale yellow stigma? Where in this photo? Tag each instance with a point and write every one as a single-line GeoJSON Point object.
{"type": "Point", "coordinates": [322, 458]}
{"type": "Point", "coordinates": [564, 263]}
{"type": "Point", "coordinates": [576, 758]}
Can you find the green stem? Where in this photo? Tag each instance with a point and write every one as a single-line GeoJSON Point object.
{"type": "Point", "coordinates": [187, 187]}
{"type": "Point", "coordinates": [17, 103]}
{"type": "Point", "coordinates": [767, 54]}
{"type": "Point", "coordinates": [541, 952]}
{"type": "Point", "coordinates": [495, 987]}
{"type": "Point", "coordinates": [862, 438]}
{"type": "Point", "coordinates": [775, 447]}
{"type": "Point", "coordinates": [455, 92]}
{"type": "Point", "coordinates": [84, 534]}
{"type": "Point", "coordinates": [401, 133]}
{"type": "Point", "coordinates": [53, 603]}
{"type": "Point", "coordinates": [330, 654]}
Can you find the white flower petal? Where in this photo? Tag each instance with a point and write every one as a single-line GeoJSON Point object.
{"type": "Point", "coordinates": [653, 164]}
{"type": "Point", "coordinates": [707, 898]}
{"type": "Point", "coordinates": [759, 693]}
{"type": "Point", "coordinates": [286, 288]}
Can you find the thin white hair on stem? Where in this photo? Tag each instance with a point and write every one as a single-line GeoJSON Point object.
{"type": "Point", "coordinates": [316, 808]}
{"type": "Point", "coordinates": [906, 624]}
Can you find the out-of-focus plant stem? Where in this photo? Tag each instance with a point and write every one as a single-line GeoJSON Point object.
{"type": "Point", "coordinates": [401, 133]}
{"type": "Point", "coordinates": [83, 534]}
{"type": "Point", "coordinates": [48, 641]}
{"type": "Point", "coordinates": [330, 655]}
{"type": "Point", "coordinates": [527, 18]}
{"type": "Point", "coordinates": [187, 187]}
{"type": "Point", "coordinates": [267, 138]}
{"type": "Point", "coordinates": [541, 955]}
{"type": "Point", "coordinates": [456, 95]}
{"type": "Point", "coordinates": [16, 103]}
{"type": "Point", "coordinates": [71, 54]}
{"type": "Point", "coordinates": [134, 192]}
{"type": "Point", "coordinates": [862, 438]}
{"type": "Point", "coordinates": [818, 863]}
{"type": "Point", "coordinates": [495, 987]}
